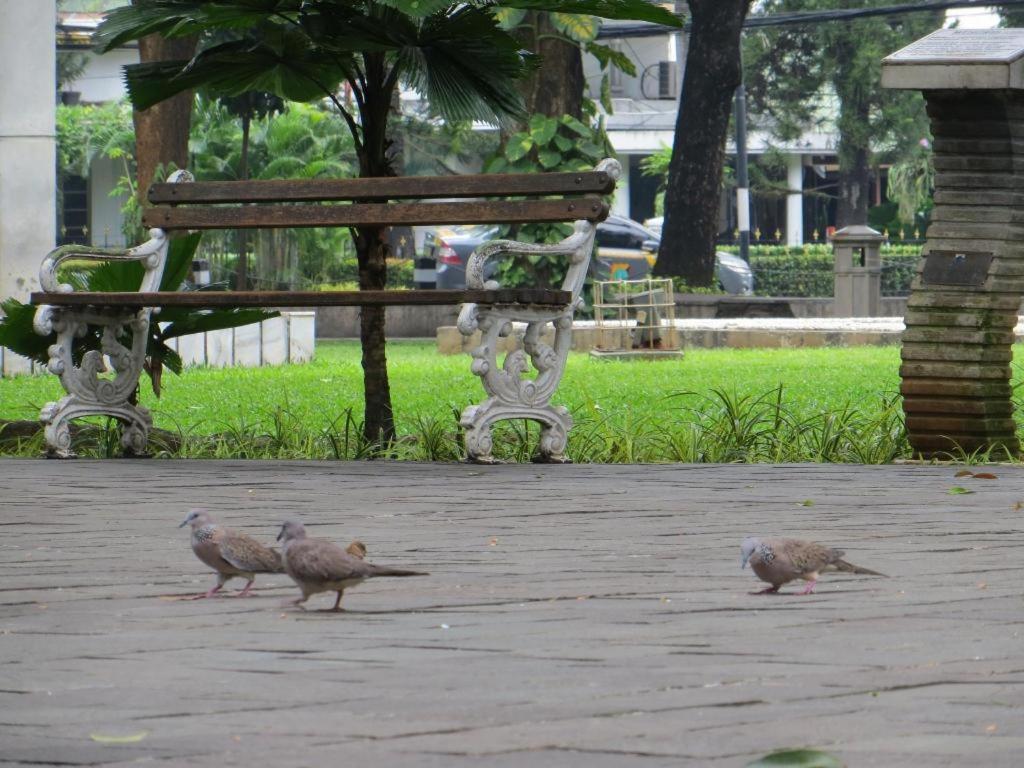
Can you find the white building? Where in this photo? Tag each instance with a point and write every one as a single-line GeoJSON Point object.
{"type": "Point", "coordinates": [643, 122]}
{"type": "Point", "coordinates": [90, 214]}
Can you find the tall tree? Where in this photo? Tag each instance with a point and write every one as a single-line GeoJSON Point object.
{"type": "Point", "coordinates": [161, 130]}
{"type": "Point", "coordinates": [454, 53]}
{"type": "Point", "coordinates": [1012, 15]}
{"type": "Point", "coordinates": [827, 76]}
{"type": "Point", "coordinates": [693, 189]}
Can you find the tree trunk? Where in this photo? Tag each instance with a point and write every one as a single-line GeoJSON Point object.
{"type": "Point", "coordinates": [161, 132]}
{"type": "Point", "coordinates": [557, 87]}
{"type": "Point", "coordinates": [854, 124]}
{"type": "Point", "coordinates": [242, 269]}
{"type": "Point", "coordinates": [694, 187]}
{"type": "Point", "coordinates": [854, 187]}
{"type": "Point", "coordinates": [370, 242]}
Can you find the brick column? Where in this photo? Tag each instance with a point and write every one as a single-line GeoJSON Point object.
{"type": "Point", "coordinates": [965, 300]}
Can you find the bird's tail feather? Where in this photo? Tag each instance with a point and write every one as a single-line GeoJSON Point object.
{"type": "Point", "coordinates": [842, 565]}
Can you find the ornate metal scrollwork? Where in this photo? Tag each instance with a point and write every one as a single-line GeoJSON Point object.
{"type": "Point", "coordinates": [511, 396]}
{"type": "Point", "coordinates": [123, 339]}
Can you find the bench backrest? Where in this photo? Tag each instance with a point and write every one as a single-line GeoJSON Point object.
{"type": "Point", "coordinates": [390, 201]}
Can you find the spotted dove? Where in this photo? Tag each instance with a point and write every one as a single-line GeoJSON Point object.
{"type": "Point", "coordinates": [230, 553]}
{"type": "Point", "coordinates": [317, 565]}
{"type": "Point", "coordinates": [780, 561]}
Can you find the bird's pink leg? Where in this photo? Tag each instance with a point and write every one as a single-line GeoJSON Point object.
{"type": "Point", "coordinates": [213, 590]}
{"type": "Point", "coordinates": [244, 592]}
{"type": "Point", "coordinates": [809, 588]}
{"type": "Point", "coordinates": [766, 591]}
{"type": "Point", "coordinates": [337, 603]}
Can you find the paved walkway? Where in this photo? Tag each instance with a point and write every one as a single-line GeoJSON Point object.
{"type": "Point", "coordinates": [575, 616]}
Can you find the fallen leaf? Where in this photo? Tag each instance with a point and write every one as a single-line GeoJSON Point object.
{"type": "Point", "coordinates": [807, 503]}
{"type": "Point", "coordinates": [493, 542]}
{"type": "Point", "coordinates": [798, 758]}
{"type": "Point", "coordinates": [1018, 506]}
{"type": "Point", "coordinates": [982, 585]}
{"type": "Point", "coordinates": [985, 476]}
{"type": "Point", "coordinates": [964, 473]}
{"type": "Point", "coordinates": [134, 738]}
{"type": "Point", "coordinates": [991, 728]}
{"type": "Point", "coordinates": [956, 489]}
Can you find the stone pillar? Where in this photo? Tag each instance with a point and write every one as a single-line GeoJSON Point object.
{"type": "Point", "coordinates": [858, 272]}
{"type": "Point", "coordinates": [964, 302]}
{"type": "Point", "coordinates": [795, 200]}
{"type": "Point", "coordinates": [27, 145]}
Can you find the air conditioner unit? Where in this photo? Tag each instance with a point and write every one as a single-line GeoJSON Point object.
{"type": "Point", "coordinates": [667, 80]}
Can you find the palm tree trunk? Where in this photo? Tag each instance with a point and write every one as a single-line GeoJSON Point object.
{"type": "Point", "coordinates": [161, 132]}
{"type": "Point", "coordinates": [378, 416]}
{"type": "Point", "coordinates": [242, 270]}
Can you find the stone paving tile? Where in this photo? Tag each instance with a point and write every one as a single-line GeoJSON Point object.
{"type": "Point", "coordinates": [575, 615]}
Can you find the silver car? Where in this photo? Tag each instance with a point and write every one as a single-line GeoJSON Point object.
{"type": "Point", "coordinates": [625, 250]}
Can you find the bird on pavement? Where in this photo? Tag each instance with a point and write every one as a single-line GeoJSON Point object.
{"type": "Point", "coordinates": [317, 565]}
{"type": "Point", "coordinates": [230, 553]}
{"type": "Point", "coordinates": [780, 561]}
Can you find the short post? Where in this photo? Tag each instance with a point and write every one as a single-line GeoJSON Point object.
{"type": "Point", "coordinates": [858, 271]}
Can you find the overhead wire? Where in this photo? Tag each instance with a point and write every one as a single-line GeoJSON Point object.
{"type": "Point", "coordinates": [795, 18]}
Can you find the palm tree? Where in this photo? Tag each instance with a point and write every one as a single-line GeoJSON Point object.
{"type": "Point", "coordinates": [456, 54]}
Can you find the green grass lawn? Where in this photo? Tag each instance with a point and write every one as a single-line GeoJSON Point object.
{"type": "Point", "coordinates": [711, 405]}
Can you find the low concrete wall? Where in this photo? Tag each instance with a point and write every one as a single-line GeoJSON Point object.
{"type": "Point", "coordinates": [696, 305]}
{"type": "Point", "coordinates": [734, 335]}
{"type": "Point", "coordinates": [401, 322]}
{"type": "Point", "coordinates": [423, 322]}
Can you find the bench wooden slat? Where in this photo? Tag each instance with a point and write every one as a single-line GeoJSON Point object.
{"type": "Point", "coordinates": [375, 214]}
{"type": "Point", "coordinates": [213, 299]}
{"type": "Point", "coordinates": [386, 188]}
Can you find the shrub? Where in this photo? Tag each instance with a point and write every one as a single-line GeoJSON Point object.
{"type": "Point", "coordinates": [808, 270]}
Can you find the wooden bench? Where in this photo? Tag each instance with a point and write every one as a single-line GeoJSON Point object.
{"type": "Point", "coordinates": [185, 205]}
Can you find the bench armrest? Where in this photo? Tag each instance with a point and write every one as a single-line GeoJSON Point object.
{"type": "Point", "coordinates": [151, 253]}
{"type": "Point", "coordinates": [577, 248]}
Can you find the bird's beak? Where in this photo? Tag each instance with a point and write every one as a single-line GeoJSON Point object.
{"type": "Point", "coordinates": [744, 563]}
{"type": "Point", "coordinates": [280, 534]}
{"type": "Point", "coordinates": [183, 523]}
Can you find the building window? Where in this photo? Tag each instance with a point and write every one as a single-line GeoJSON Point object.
{"type": "Point", "coordinates": [73, 227]}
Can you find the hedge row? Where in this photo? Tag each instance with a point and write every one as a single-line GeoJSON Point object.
{"type": "Point", "coordinates": [809, 270]}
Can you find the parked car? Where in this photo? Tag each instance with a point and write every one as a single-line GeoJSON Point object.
{"type": "Point", "coordinates": [626, 250]}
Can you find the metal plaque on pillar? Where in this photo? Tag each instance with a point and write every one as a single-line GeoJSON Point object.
{"type": "Point", "coordinates": [963, 268]}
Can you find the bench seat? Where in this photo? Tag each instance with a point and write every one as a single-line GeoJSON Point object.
{"type": "Point", "coordinates": [538, 297]}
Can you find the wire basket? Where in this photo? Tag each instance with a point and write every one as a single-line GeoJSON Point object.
{"type": "Point", "coordinates": [635, 315]}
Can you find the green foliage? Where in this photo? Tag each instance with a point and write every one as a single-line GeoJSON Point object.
{"type": "Point", "coordinates": [400, 275]}
{"type": "Point", "coordinates": [911, 182]}
{"type": "Point", "coordinates": [546, 144]}
{"type": "Point", "coordinates": [18, 335]}
{"type": "Point", "coordinates": [735, 410]}
{"type": "Point", "coordinates": [303, 142]}
{"type": "Point", "coordinates": [809, 270]}
{"type": "Point", "coordinates": [795, 74]}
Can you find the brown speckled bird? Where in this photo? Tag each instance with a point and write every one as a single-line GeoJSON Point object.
{"type": "Point", "coordinates": [780, 561]}
{"type": "Point", "coordinates": [316, 565]}
{"type": "Point", "coordinates": [230, 553]}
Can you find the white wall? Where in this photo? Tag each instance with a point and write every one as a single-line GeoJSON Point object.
{"type": "Point", "coordinates": [27, 145]}
{"type": "Point", "coordinates": [105, 211]}
{"type": "Point", "coordinates": [102, 79]}
{"type": "Point", "coordinates": [645, 53]}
